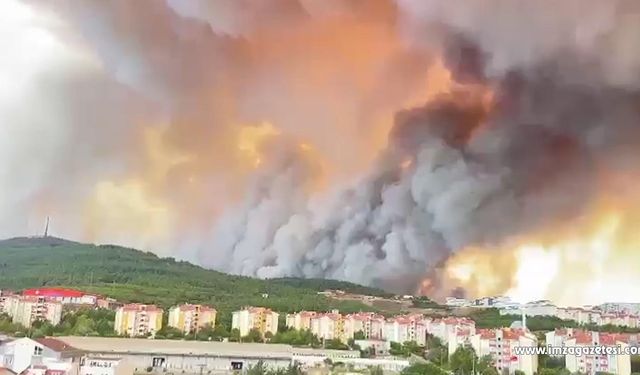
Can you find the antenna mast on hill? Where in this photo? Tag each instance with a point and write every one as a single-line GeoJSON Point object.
{"type": "Point", "coordinates": [46, 228]}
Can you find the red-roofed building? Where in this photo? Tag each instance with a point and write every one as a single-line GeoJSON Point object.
{"type": "Point", "coordinates": [559, 336]}
{"type": "Point", "coordinates": [370, 324]}
{"type": "Point", "coordinates": [446, 328]}
{"type": "Point", "coordinates": [500, 344]}
{"type": "Point", "coordinates": [330, 326]}
{"type": "Point", "coordinates": [46, 356]}
{"type": "Point", "coordinates": [590, 362]}
{"type": "Point", "coordinates": [63, 295]}
{"type": "Point", "coordinates": [300, 320]}
{"type": "Point", "coordinates": [402, 328]}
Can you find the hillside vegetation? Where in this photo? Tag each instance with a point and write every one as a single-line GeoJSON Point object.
{"type": "Point", "coordinates": [134, 276]}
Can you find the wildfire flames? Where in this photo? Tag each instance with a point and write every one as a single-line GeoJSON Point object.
{"type": "Point", "coordinates": [591, 258]}
{"type": "Point", "coordinates": [404, 144]}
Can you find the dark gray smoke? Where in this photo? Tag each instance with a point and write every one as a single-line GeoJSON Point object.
{"type": "Point", "coordinates": [563, 117]}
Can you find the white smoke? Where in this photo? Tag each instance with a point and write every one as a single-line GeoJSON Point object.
{"type": "Point", "coordinates": [387, 229]}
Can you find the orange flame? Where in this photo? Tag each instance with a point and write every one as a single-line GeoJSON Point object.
{"type": "Point", "coordinates": [590, 259]}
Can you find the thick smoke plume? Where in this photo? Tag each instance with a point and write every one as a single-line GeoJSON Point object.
{"type": "Point", "coordinates": [390, 134]}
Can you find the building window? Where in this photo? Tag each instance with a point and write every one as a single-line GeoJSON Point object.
{"type": "Point", "coordinates": [158, 361]}
{"type": "Point", "coordinates": [37, 350]}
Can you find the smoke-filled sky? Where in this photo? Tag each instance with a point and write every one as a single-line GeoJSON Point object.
{"type": "Point", "coordinates": [426, 146]}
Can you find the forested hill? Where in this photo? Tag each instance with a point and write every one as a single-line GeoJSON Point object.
{"type": "Point", "coordinates": [134, 276]}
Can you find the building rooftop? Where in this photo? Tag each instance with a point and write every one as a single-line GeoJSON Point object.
{"type": "Point", "coordinates": [53, 292]}
{"type": "Point", "coordinates": [114, 345]}
{"type": "Point", "coordinates": [258, 310]}
{"type": "Point", "coordinates": [57, 345]}
{"type": "Point", "coordinates": [140, 307]}
{"type": "Point", "coordinates": [190, 307]}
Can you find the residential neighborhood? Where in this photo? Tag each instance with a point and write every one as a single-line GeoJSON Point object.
{"type": "Point", "coordinates": [364, 338]}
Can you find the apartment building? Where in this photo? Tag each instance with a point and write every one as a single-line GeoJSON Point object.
{"type": "Point", "coordinates": [63, 295]}
{"type": "Point", "coordinates": [191, 318]}
{"type": "Point", "coordinates": [448, 328]}
{"type": "Point", "coordinates": [330, 326]}
{"type": "Point", "coordinates": [300, 320]}
{"type": "Point", "coordinates": [27, 309]}
{"type": "Point", "coordinates": [591, 363]}
{"type": "Point", "coordinates": [259, 318]}
{"type": "Point", "coordinates": [560, 336]}
{"type": "Point", "coordinates": [370, 324]}
{"type": "Point", "coordinates": [500, 344]}
{"type": "Point", "coordinates": [138, 320]}
{"type": "Point", "coordinates": [461, 337]}
{"type": "Point", "coordinates": [620, 319]}
{"type": "Point", "coordinates": [412, 327]}
{"type": "Point", "coordinates": [46, 356]}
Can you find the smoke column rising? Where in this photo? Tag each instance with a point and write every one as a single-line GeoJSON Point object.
{"type": "Point", "coordinates": [379, 139]}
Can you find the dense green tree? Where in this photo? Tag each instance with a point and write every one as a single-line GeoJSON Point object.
{"type": "Point", "coordinates": [463, 360]}
{"type": "Point", "coordinates": [553, 371]}
{"type": "Point", "coordinates": [546, 361]}
{"type": "Point", "coordinates": [424, 369]}
{"type": "Point", "coordinates": [258, 369]}
{"type": "Point", "coordinates": [253, 336]}
{"type": "Point", "coordinates": [335, 344]}
{"type": "Point", "coordinates": [133, 276]}
{"type": "Point", "coordinates": [635, 363]}
{"type": "Point", "coordinates": [425, 303]}
{"type": "Point", "coordinates": [234, 335]}
{"type": "Point", "coordinates": [292, 369]}
{"type": "Point", "coordinates": [8, 327]}
{"type": "Point", "coordinates": [41, 329]}
{"type": "Point", "coordinates": [359, 335]}
{"type": "Point", "coordinates": [406, 349]}
{"type": "Point", "coordinates": [484, 366]}
{"type": "Point", "coordinates": [171, 333]}
{"type": "Point", "coordinates": [296, 338]}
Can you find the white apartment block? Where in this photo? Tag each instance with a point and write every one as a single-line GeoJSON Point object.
{"type": "Point", "coordinates": [460, 337]}
{"type": "Point", "coordinates": [619, 364]}
{"type": "Point", "coordinates": [333, 325]}
{"type": "Point", "coordinates": [500, 344]}
{"type": "Point", "coordinates": [403, 328]}
{"type": "Point", "coordinates": [27, 309]}
{"type": "Point", "coordinates": [330, 326]}
{"type": "Point", "coordinates": [191, 318]}
{"type": "Point", "coordinates": [259, 318]}
{"type": "Point", "coordinates": [138, 320]}
{"type": "Point", "coordinates": [63, 295]}
{"type": "Point", "coordinates": [620, 319]}
{"type": "Point", "coordinates": [44, 356]}
{"type": "Point", "coordinates": [300, 320]}
{"type": "Point", "coordinates": [447, 328]}
{"type": "Point", "coordinates": [370, 324]}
